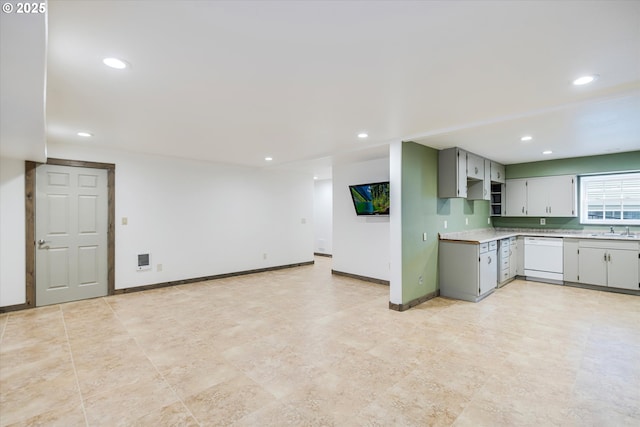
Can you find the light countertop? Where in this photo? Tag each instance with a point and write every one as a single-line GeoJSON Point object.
{"type": "Point", "coordinates": [488, 234]}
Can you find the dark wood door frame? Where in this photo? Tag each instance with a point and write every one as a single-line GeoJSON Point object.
{"type": "Point", "coordinates": [30, 229]}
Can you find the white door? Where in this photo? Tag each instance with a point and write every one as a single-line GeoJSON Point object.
{"type": "Point", "coordinates": [71, 233]}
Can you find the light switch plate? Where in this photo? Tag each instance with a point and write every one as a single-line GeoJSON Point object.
{"type": "Point", "coordinates": [424, 237]}
{"type": "Point", "coordinates": [543, 221]}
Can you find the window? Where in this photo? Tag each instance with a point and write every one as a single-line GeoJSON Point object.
{"type": "Point", "coordinates": [610, 199]}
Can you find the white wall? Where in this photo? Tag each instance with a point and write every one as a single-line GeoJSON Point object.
{"type": "Point", "coordinates": [12, 230]}
{"type": "Point", "coordinates": [323, 216]}
{"type": "Point", "coordinates": [196, 218]}
{"type": "Point", "coordinates": [395, 196]}
{"type": "Point", "coordinates": [360, 243]}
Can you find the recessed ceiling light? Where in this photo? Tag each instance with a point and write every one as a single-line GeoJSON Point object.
{"type": "Point", "coordinates": [85, 134]}
{"type": "Point", "coordinates": [585, 80]}
{"type": "Point", "coordinates": [115, 63]}
{"type": "Point", "coordinates": [363, 135]}
{"type": "Point", "coordinates": [268, 159]}
{"type": "Point", "coordinates": [547, 152]}
{"type": "Point", "coordinates": [526, 138]}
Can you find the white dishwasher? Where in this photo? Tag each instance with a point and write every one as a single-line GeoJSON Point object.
{"type": "Point", "coordinates": [543, 258]}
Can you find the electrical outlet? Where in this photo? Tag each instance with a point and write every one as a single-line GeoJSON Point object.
{"type": "Point", "coordinates": [264, 255]}
{"type": "Point", "coordinates": [543, 221]}
{"type": "Point", "coordinates": [159, 267]}
{"type": "Point", "coordinates": [445, 224]}
{"type": "Point", "coordinates": [420, 280]}
{"type": "Point", "coordinates": [125, 220]}
{"type": "Point", "coordinates": [424, 237]}
{"type": "Point", "coordinates": [466, 221]}
{"type": "Point", "coordinates": [489, 220]}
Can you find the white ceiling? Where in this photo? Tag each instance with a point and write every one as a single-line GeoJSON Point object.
{"type": "Point", "coordinates": [237, 81]}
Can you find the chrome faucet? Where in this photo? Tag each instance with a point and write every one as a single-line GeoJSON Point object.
{"type": "Point", "coordinates": [611, 230]}
{"type": "Point", "coordinates": [626, 231]}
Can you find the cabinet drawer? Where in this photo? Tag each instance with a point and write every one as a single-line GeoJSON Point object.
{"type": "Point", "coordinates": [484, 247]}
{"type": "Point", "coordinates": [505, 251]}
{"type": "Point", "coordinates": [505, 263]}
{"type": "Point", "coordinates": [504, 275]}
{"type": "Point", "coordinates": [493, 245]}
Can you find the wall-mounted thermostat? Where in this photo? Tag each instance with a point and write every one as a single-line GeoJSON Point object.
{"type": "Point", "coordinates": [144, 261]}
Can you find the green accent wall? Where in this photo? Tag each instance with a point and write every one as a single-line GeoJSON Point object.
{"type": "Point", "coordinates": [423, 211]}
{"type": "Point", "coordinates": [618, 162]}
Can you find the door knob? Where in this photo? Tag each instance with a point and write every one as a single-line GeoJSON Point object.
{"type": "Point", "coordinates": [42, 242]}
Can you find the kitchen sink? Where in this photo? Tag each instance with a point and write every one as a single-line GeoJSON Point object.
{"type": "Point", "coordinates": [629, 236]}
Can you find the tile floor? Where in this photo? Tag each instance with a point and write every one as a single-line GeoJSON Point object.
{"type": "Point", "coordinates": [302, 347]}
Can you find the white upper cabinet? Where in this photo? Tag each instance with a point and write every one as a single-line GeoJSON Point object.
{"type": "Point", "coordinates": [516, 197]}
{"type": "Point", "coordinates": [452, 173]}
{"type": "Point", "coordinates": [549, 196]}
{"type": "Point", "coordinates": [480, 190]}
{"type": "Point", "coordinates": [475, 167]}
{"type": "Point", "coordinates": [497, 173]}
{"type": "Point", "coordinates": [537, 197]}
{"type": "Point", "coordinates": [563, 200]}
{"type": "Point", "coordinates": [466, 175]}
{"type": "Point", "coordinates": [552, 196]}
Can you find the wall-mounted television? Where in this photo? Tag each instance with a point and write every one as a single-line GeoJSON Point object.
{"type": "Point", "coordinates": [370, 199]}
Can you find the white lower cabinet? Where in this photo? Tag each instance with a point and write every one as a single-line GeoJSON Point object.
{"type": "Point", "coordinates": [520, 256]}
{"type": "Point", "coordinates": [468, 271]}
{"type": "Point", "coordinates": [570, 260]}
{"type": "Point", "coordinates": [608, 263]}
{"type": "Point", "coordinates": [513, 257]}
{"type": "Point", "coordinates": [508, 251]}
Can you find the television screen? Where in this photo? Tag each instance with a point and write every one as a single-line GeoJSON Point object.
{"type": "Point", "coordinates": [370, 199]}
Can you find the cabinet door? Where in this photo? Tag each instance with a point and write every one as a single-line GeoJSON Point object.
{"type": "Point", "coordinates": [516, 197]}
{"type": "Point", "coordinates": [497, 173]}
{"type": "Point", "coordinates": [462, 173]}
{"type": "Point", "coordinates": [475, 166]}
{"type": "Point", "coordinates": [561, 193]}
{"type": "Point", "coordinates": [592, 266]}
{"type": "Point", "coordinates": [488, 271]}
{"type": "Point", "coordinates": [520, 256]}
{"type": "Point", "coordinates": [480, 190]}
{"type": "Point", "coordinates": [452, 173]}
{"type": "Point", "coordinates": [513, 259]}
{"type": "Point", "coordinates": [538, 197]}
{"type": "Point", "coordinates": [570, 260]}
{"type": "Point", "coordinates": [622, 269]}
{"type": "Point", "coordinates": [487, 180]}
